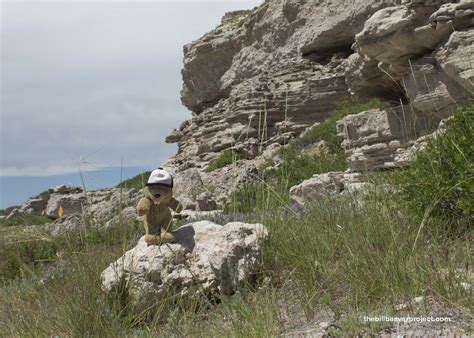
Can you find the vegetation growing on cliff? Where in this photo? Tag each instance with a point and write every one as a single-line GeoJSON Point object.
{"type": "Point", "coordinates": [136, 182]}
{"type": "Point", "coordinates": [226, 157]}
{"type": "Point", "coordinates": [271, 189]}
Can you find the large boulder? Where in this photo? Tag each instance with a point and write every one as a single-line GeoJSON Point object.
{"type": "Point", "coordinates": [107, 204]}
{"type": "Point", "coordinates": [206, 256]}
{"type": "Point", "coordinates": [441, 82]}
{"type": "Point", "coordinates": [73, 203]}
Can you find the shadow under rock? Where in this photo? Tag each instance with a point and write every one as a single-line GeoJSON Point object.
{"type": "Point", "coordinates": [185, 237]}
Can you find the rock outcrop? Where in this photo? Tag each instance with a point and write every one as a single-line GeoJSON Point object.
{"type": "Point", "coordinates": [264, 76]}
{"type": "Point", "coordinates": [31, 206]}
{"type": "Point", "coordinates": [374, 140]}
{"type": "Point", "coordinates": [371, 138]}
{"type": "Point", "coordinates": [207, 258]}
{"type": "Point", "coordinates": [260, 79]}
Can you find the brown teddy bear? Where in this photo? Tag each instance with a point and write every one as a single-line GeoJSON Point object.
{"type": "Point", "coordinates": [155, 206]}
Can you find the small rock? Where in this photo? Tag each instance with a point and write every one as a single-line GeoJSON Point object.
{"type": "Point", "coordinates": [324, 325]}
{"type": "Point", "coordinates": [206, 202]}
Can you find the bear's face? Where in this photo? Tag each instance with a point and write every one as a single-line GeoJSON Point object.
{"type": "Point", "coordinates": [159, 194]}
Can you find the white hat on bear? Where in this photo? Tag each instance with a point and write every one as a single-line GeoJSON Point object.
{"type": "Point", "coordinates": [161, 177]}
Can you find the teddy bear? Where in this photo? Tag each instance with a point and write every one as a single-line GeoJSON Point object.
{"type": "Point", "coordinates": [155, 206]}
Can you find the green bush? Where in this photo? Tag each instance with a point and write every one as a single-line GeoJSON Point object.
{"type": "Point", "coordinates": [136, 182]}
{"type": "Point", "coordinates": [440, 182]}
{"type": "Point", "coordinates": [226, 157]}
{"type": "Point", "coordinates": [24, 253]}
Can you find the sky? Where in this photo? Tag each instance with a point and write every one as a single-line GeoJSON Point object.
{"type": "Point", "coordinates": [93, 84]}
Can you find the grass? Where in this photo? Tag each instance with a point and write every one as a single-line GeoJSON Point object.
{"type": "Point", "coordinates": [23, 249]}
{"type": "Point", "coordinates": [225, 158]}
{"type": "Point", "coordinates": [348, 257]}
{"type": "Point", "coordinates": [26, 220]}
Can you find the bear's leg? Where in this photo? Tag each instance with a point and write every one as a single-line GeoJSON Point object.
{"type": "Point", "coordinates": [151, 240]}
{"type": "Point", "coordinates": [166, 236]}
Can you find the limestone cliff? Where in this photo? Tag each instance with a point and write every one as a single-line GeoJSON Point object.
{"type": "Point", "coordinates": [265, 75]}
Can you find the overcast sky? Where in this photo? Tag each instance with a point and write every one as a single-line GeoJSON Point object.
{"type": "Point", "coordinates": [94, 77]}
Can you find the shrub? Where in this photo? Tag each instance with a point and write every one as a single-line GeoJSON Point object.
{"type": "Point", "coordinates": [21, 253]}
{"type": "Point", "coordinates": [136, 182]}
{"type": "Point", "coordinates": [440, 182]}
{"type": "Point", "coordinates": [226, 157]}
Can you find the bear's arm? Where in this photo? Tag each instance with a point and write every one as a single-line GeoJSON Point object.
{"type": "Point", "coordinates": [143, 206]}
{"type": "Point", "coordinates": [175, 205]}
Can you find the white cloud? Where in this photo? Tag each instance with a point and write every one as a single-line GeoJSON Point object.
{"type": "Point", "coordinates": [94, 76]}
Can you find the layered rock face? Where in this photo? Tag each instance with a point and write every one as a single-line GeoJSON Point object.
{"type": "Point", "coordinates": [263, 76]}
{"type": "Point", "coordinates": [427, 47]}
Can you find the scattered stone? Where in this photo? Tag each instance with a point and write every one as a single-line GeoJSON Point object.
{"type": "Point", "coordinates": [14, 213]}
{"type": "Point", "coordinates": [187, 202]}
{"type": "Point", "coordinates": [324, 325]}
{"type": "Point", "coordinates": [33, 205]}
{"type": "Point", "coordinates": [372, 137]}
{"type": "Point", "coordinates": [67, 223]}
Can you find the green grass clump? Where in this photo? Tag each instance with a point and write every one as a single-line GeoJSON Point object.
{"type": "Point", "coordinates": [226, 157]}
{"type": "Point", "coordinates": [440, 182]}
{"type": "Point", "coordinates": [24, 248]}
{"type": "Point", "coordinates": [24, 253]}
{"type": "Point", "coordinates": [136, 182]}
{"type": "Point", "coordinates": [25, 220]}
{"type": "Point", "coordinates": [365, 255]}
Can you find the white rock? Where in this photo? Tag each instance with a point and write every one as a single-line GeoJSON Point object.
{"type": "Point", "coordinates": [316, 187]}
{"type": "Point", "coordinates": [207, 258]}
